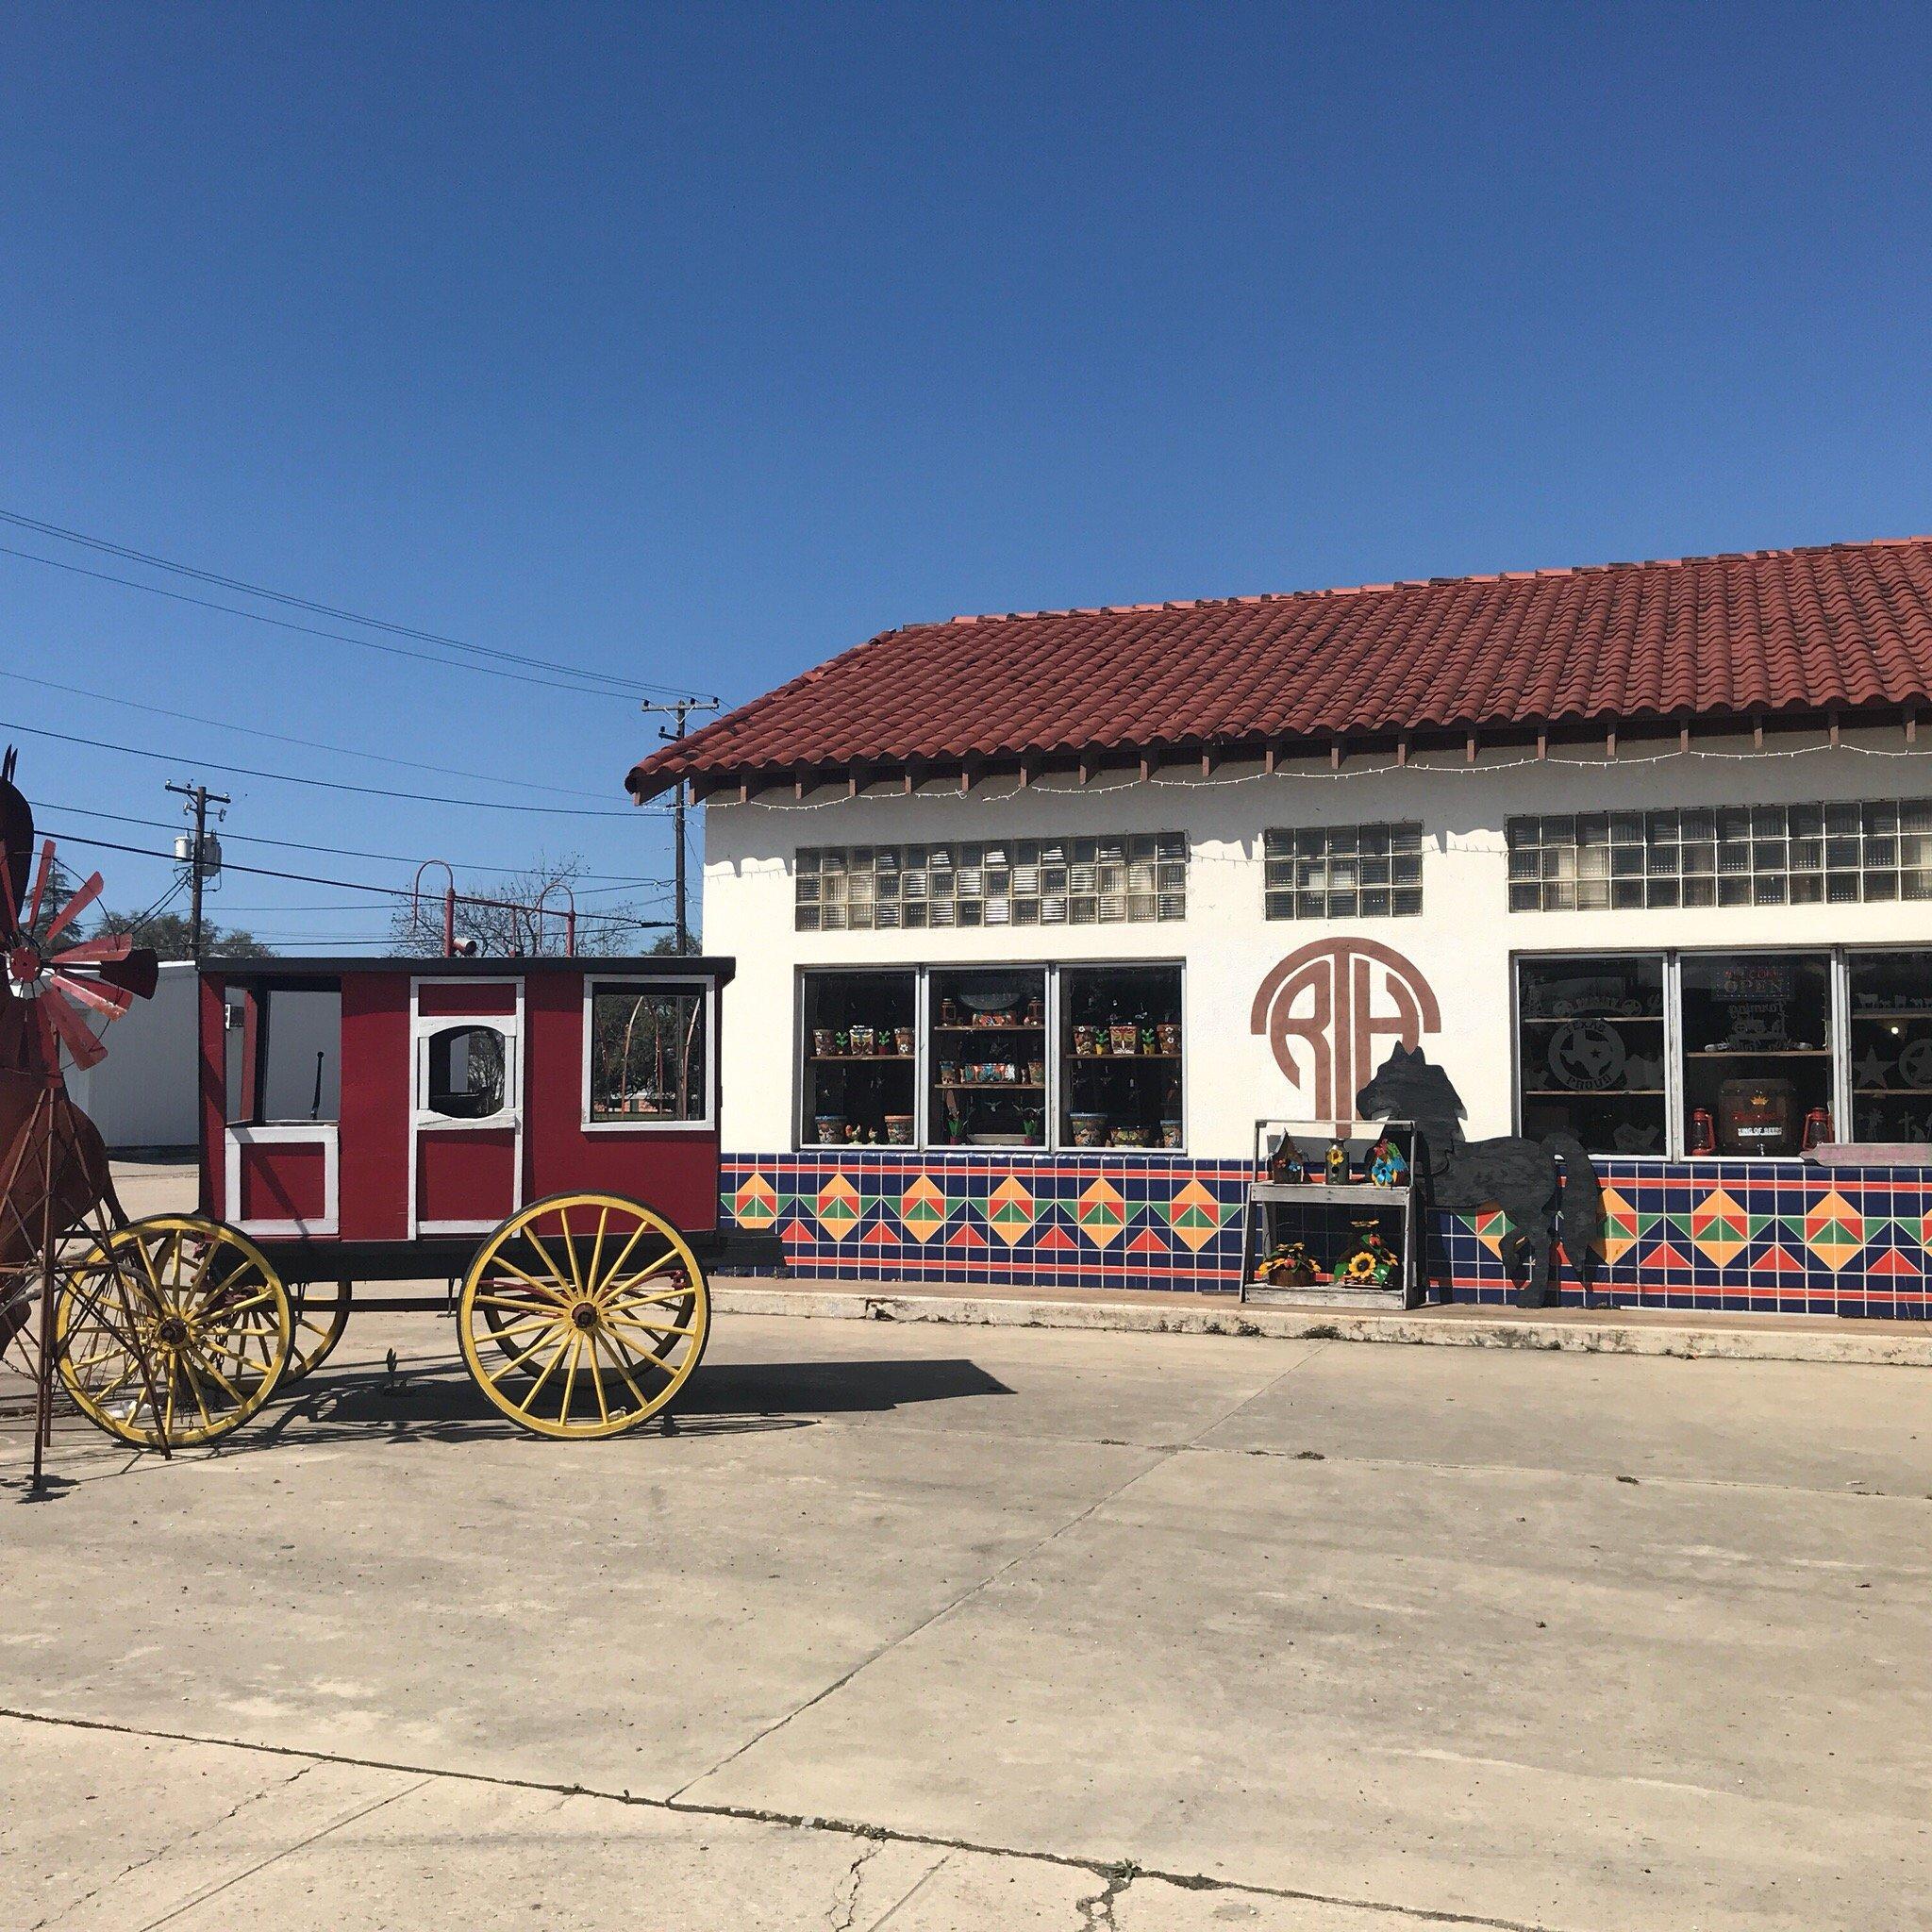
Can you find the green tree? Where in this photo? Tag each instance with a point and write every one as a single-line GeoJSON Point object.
{"type": "Point", "coordinates": [167, 933]}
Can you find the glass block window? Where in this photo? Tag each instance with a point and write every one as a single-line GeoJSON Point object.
{"type": "Point", "coordinates": [1736, 855]}
{"type": "Point", "coordinates": [1343, 871]}
{"type": "Point", "coordinates": [1108, 880]}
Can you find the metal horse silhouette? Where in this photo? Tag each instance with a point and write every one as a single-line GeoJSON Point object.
{"type": "Point", "coordinates": [1548, 1188]}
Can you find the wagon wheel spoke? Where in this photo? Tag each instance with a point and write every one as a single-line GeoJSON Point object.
{"type": "Point", "coordinates": [639, 1359]}
{"type": "Point", "coordinates": [187, 1360]}
{"type": "Point", "coordinates": [623, 1361]}
{"type": "Point", "coordinates": [541, 1343]}
{"type": "Point", "coordinates": [221, 1382]}
{"type": "Point", "coordinates": [596, 1375]}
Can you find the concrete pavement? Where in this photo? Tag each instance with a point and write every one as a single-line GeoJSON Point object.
{"type": "Point", "coordinates": [1338, 1636]}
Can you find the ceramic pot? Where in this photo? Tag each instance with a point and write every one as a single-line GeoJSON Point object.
{"type": "Point", "coordinates": [898, 1130]}
{"type": "Point", "coordinates": [830, 1129]}
{"type": "Point", "coordinates": [1123, 1037]}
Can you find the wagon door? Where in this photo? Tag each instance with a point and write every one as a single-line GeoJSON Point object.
{"type": "Point", "coordinates": [466, 1151]}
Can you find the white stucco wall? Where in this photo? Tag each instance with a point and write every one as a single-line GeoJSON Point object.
{"type": "Point", "coordinates": [1461, 942]}
{"type": "Point", "coordinates": [145, 1092]}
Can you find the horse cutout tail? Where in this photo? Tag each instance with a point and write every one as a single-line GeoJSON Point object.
{"type": "Point", "coordinates": [1579, 1207]}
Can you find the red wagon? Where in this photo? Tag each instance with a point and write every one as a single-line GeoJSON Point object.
{"type": "Point", "coordinates": [541, 1134]}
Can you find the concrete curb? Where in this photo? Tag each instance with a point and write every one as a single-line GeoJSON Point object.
{"type": "Point", "coordinates": [1835, 1341]}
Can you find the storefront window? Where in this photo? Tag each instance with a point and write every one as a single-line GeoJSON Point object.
{"type": "Point", "coordinates": [1590, 1051]}
{"type": "Point", "coordinates": [858, 1059]}
{"type": "Point", "coordinates": [1891, 1045]}
{"type": "Point", "coordinates": [986, 1058]}
{"type": "Point", "coordinates": [1757, 1033]}
{"type": "Point", "coordinates": [1121, 1056]}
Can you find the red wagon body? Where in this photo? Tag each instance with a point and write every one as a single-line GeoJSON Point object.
{"type": "Point", "coordinates": [335, 1110]}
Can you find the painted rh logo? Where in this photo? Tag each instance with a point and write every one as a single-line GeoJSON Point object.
{"type": "Point", "coordinates": [1324, 1008]}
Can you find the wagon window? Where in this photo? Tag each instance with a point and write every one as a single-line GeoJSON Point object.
{"type": "Point", "coordinates": [466, 1073]}
{"type": "Point", "coordinates": [650, 1060]}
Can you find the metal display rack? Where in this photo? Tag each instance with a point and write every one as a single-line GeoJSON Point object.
{"type": "Point", "coordinates": [1268, 1199]}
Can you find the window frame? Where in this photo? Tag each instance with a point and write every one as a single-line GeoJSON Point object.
{"type": "Point", "coordinates": [1053, 1146]}
{"type": "Point", "coordinates": [1837, 960]}
{"type": "Point", "coordinates": [595, 983]}
{"type": "Point", "coordinates": [801, 1038]}
{"type": "Point", "coordinates": [423, 1027]}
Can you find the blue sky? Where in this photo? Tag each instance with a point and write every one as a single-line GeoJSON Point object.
{"type": "Point", "coordinates": [700, 344]}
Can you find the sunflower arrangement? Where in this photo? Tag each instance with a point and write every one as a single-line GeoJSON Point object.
{"type": "Point", "coordinates": [1289, 1265]}
{"type": "Point", "coordinates": [1370, 1262]}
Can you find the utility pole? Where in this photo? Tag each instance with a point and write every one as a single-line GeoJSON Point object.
{"type": "Point", "coordinates": [680, 709]}
{"type": "Point", "coordinates": [199, 798]}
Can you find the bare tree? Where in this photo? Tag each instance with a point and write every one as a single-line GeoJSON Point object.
{"type": "Point", "coordinates": [524, 917]}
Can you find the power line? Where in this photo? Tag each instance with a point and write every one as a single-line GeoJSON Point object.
{"type": "Point", "coordinates": [307, 631]}
{"type": "Point", "coordinates": [101, 697]}
{"type": "Point", "coordinates": [307, 879]}
{"type": "Point", "coordinates": [617, 880]}
{"type": "Point", "coordinates": [568, 811]}
{"type": "Point", "coordinates": [616, 682]}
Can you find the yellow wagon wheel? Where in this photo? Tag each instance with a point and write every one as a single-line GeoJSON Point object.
{"type": "Point", "coordinates": [583, 1314]}
{"type": "Point", "coordinates": [203, 1307]}
{"type": "Point", "coordinates": [320, 1313]}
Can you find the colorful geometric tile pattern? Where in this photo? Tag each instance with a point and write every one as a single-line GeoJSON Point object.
{"type": "Point", "coordinates": [1776, 1236]}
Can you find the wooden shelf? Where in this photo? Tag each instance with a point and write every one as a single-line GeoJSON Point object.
{"type": "Point", "coordinates": [1100, 1060]}
{"type": "Point", "coordinates": [1761, 1053]}
{"type": "Point", "coordinates": [991, 1085]}
{"type": "Point", "coordinates": [861, 1060]}
{"type": "Point", "coordinates": [1885, 1093]}
{"type": "Point", "coordinates": [1599, 1093]}
{"type": "Point", "coordinates": [1004, 1027]}
{"type": "Point", "coordinates": [1593, 1019]}
{"type": "Point", "coordinates": [1877, 1013]}
{"type": "Point", "coordinates": [1347, 1194]}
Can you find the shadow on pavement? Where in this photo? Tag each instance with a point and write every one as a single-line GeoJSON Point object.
{"type": "Point", "coordinates": [436, 1401]}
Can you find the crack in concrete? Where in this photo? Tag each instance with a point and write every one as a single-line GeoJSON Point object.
{"type": "Point", "coordinates": [845, 1905]}
{"type": "Point", "coordinates": [912, 1891]}
{"type": "Point", "coordinates": [1097, 1911]}
{"type": "Point", "coordinates": [260, 1865]}
{"type": "Point", "coordinates": [173, 1846]}
{"type": "Point", "coordinates": [750, 1814]}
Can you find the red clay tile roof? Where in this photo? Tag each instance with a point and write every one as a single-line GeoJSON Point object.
{"type": "Point", "coordinates": [1846, 627]}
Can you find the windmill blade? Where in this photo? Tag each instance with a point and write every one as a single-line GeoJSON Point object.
{"type": "Point", "coordinates": [33, 910]}
{"type": "Point", "coordinates": [10, 902]}
{"type": "Point", "coordinates": [44, 1034]}
{"type": "Point", "coordinates": [94, 952]}
{"type": "Point", "coordinates": [81, 1043]}
{"type": "Point", "coordinates": [139, 973]}
{"type": "Point", "coordinates": [78, 903]}
{"type": "Point", "coordinates": [109, 1000]}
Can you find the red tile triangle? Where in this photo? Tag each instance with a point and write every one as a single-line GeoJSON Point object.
{"type": "Point", "coordinates": [1148, 1242]}
{"type": "Point", "coordinates": [966, 1236]}
{"type": "Point", "coordinates": [1057, 1238]}
{"type": "Point", "coordinates": [878, 1235]}
{"type": "Point", "coordinates": [1892, 1262]}
{"type": "Point", "coordinates": [795, 1230]}
{"type": "Point", "coordinates": [1777, 1260]}
{"type": "Point", "coordinates": [1665, 1257]}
